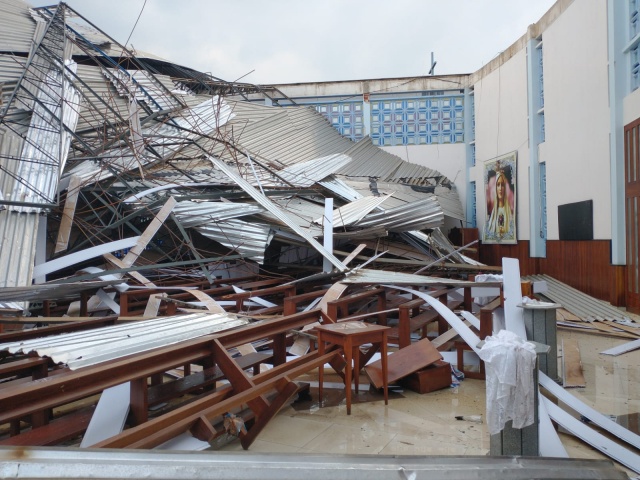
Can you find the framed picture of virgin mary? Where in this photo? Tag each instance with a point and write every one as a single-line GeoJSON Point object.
{"type": "Point", "coordinates": [500, 194]}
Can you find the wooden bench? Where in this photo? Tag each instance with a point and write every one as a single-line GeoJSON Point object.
{"type": "Point", "coordinates": [37, 367]}
{"type": "Point", "coordinates": [339, 309]}
{"type": "Point", "coordinates": [207, 377]}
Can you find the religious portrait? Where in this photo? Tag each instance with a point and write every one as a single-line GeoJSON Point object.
{"type": "Point", "coordinates": [500, 194]}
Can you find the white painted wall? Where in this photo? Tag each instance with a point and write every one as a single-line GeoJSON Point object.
{"type": "Point", "coordinates": [576, 149]}
{"type": "Point", "coordinates": [501, 128]}
{"type": "Point", "coordinates": [448, 159]}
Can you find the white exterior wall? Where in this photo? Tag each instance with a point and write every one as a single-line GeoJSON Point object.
{"type": "Point", "coordinates": [448, 159]}
{"type": "Point", "coordinates": [501, 128]}
{"type": "Point", "coordinates": [577, 118]}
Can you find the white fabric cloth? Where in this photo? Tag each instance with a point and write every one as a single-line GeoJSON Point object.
{"type": "Point", "coordinates": [509, 363]}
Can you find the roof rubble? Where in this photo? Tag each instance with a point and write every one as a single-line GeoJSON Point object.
{"type": "Point", "coordinates": [154, 221]}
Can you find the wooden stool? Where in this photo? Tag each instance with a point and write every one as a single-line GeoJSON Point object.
{"type": "Point", "coordinates": [350, 336]}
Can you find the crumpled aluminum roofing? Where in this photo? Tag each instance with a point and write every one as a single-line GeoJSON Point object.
{"type": "Point", "coordinates": [192, 214]}
{"type": "Point", "coordinates": [19, 234]}
{"type": "Point", "coordinates": [201, 119]}
{"type": "Point", "coordinates": [353, 212]}
{"type": "Point", "coordinates": [50, 291]}
{"type": "Point", "coordinates": [305, 174]}
{"type": "Point", "coordinates": [419, 215]}
{"type": "Point", "coordinates": [383, 277]}
{"type": "Point", "coordinates": [89, 347]}
{"type": "Point", "coordinates": [580, 304]}
{"type": "Point", "coordinates": [246, 238]}
{"type": "Point", "coordinates": [17, 27]}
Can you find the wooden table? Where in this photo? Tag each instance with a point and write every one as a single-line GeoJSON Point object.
{"type": "Point", "coordinates": [350, 336]}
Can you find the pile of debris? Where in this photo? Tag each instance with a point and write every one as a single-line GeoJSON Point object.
{"type": "Point", "coordinates": [177, 246]}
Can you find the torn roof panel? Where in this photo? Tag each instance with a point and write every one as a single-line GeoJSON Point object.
{"type": "Point", "coordinates": [17, 27]}
{"type": "Point", "coordinates": [248, 239]}
{"type": "Point", "coordinates": [89, 347]}
{"type": "Point", "coordinates": [305, 174]}
{"type": "Point", "coordinates": [420, 215]}
{"type": "Point", "coordinates": [293, 135]}
{"type": "Point", "coordinates": [384, 277]}
{"type": "Point", "coordinates": [354, 211]}
{"type": "Point", "coordinates": [51, 291]}
{"type": "Point", "coordinates": [192, 214]}
{"type": "Point", "coordinates": [370, 161]}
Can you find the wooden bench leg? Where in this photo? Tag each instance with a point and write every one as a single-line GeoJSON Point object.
{"type": "Point", "coordinates": [284, 395]}
{"type": "Point", "coordinates": [139, 401]}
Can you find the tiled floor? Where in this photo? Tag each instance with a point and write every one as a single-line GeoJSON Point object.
{"type": "Point", "coordinates": [414, 424]}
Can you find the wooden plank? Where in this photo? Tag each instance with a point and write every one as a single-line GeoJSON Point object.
{"type": "Point", "coordinates": [34, 365]}
{"type": "Point", "coordinates": [165, 427]}
{"type": "Point", "coordinates": [56, 431]}
{"type": "Point", "coordinates": [632, 330]}
{"type": "Point", "coordinates": [354, 254]}
{"type": "Point", "coordinates": [64, 231]}
{"type": "Point", "coordinates": [153, 227]}
{"type": "Point", "coordinates": [284, 395]}
{"type": "Point", "coordinates": [611, 330]}
{"type": "Point", "coordinates": [116, 262]}
{"type": "Point", "coordinates": [404, 362]}
{"type": "Point", "coordinates": [572, 375]}
{"type": "Point", "coordinates": [457, 324]}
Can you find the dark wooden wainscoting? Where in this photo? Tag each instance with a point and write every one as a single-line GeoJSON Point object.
{"type": "Point", "coordinates": [585, 265]}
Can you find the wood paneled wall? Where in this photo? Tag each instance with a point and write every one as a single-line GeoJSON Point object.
{"type": "Point", "coordinates": [585, 265]}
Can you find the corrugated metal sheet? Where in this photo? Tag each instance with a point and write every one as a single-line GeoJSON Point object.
{"type": "Point", "coordinates": [11, 67]}
{"type": "Point", "coordinates": [280, 214]}
{"type": "Point", "coordinates": [383, 277]}
{"type": "Point", "coordinates": [191, 214]}
{"type": "Point", "coordinates": [246, 238]}
{"type": "Point", "coordinates": [291, 136]}
{"type": "Point", "coordinates": [98, 89]}
{"type": "Point", "coordinates": [370, 161]}
{"type": "Point", "coordinates": [447, 198]}
{"type": "Point", "coordinates": [354, 211]}
{"type": "Point", "coordinates": [341, 188]}
{"type": "Point", "coordinates": [89, 347]}
{"type": "Point", "coordinates": [420, 215]}
{"type": "Point", "coordinates": [44, 151]}
{"type": "Point", "coordinates": [579, 303]}
{"type": "Point", "coordinates": [17, 28]}
{"type": "Point", "coordinates": [305, 174]}
{"type": "Point", "coordinates": [50, 291]}
{"type": "Point", "coordinates": [18, 237]}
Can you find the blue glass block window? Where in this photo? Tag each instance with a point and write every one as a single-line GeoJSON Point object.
{"type": "Point", "coordinates": [542, 128]}
{"type": "Point", "coordinates": [473, 154]}
{"type": "Point", "coordinates": [539, 50]}
{"type": "Point", "coordinates": [633, 18]}
{"type": "Point", "coordinates": [417, 121]}
{"type": "Point", "coordinates": [635, 67]}
{"type": "Point", "coordinates": [543, 200]}
{"type": "Point", "coordinates": [474, 202]}
{"type": "Point", "coordinates": [346, 117]}
{"type": "Point", "coordinates": [473, 122]}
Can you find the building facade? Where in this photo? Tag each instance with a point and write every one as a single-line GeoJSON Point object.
{"type": "Point", "coordinates": [556, 116]}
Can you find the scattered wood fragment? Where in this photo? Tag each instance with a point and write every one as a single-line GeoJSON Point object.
{"type": "Point", "coordinates": [572, 374]}
{"type": "Point", "coordinates": [404, 362]}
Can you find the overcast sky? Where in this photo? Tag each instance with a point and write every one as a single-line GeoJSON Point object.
{"type": "Point", "coordinates": [288, 41]}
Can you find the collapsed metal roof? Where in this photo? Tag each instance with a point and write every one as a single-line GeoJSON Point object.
{"type": "Point", "coordinates": [95, 141]}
